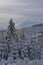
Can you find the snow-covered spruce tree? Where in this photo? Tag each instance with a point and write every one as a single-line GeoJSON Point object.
{"type": "Point", "coordinates": [33, 51]}
{"type": "Point", "coordinates": [35, 48]}
{"type": "Point", "coordinates": [39, 38]}
{"type": "Point", "coordinates": [24, 44]}
{"type": "Point", "coordinates": [21, 46]}
{"type": "Point", "coordinates": [11, 30]}
{"type": "Point", "coordinates": [11, 38]}
{"type": "Point", "coordinates": [22, 36]}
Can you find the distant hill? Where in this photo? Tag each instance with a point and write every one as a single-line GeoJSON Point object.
{"type": "Point", "coordinates": [38, 25]}
{"type": "Point", "coordinates": [34, 29]}
{"type": "Point", "coordinates": [29, 24]}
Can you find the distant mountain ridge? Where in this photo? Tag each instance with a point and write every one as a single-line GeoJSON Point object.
{"type": "Point", "coordinates": [38, 24]}
{"type": "Point", "coordinates": [29, 24]}
{"type": "Point", "coordinates": [33, 30]}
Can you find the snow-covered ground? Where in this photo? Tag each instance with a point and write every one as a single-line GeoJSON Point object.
{"type": "Point", "coordinates": [21, 62]}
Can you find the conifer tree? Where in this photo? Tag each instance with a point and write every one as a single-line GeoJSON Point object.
{"type": "Point", "coordinates": [11, 37]}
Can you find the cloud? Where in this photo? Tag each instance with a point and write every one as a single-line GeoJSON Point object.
{"type": "Point", "coordinates": [21, 10]}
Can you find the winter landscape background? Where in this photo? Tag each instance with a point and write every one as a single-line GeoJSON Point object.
{"type": "Point", "coordinates": [21, 46]}
{"type": "Point", "coordinates": [21, 32]}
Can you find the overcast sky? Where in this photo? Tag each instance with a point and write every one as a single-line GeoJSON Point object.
{"type": "Point", "coordinates": [21, 11]}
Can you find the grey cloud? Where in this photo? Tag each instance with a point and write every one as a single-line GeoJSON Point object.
{"type": "Point", "coordinates": [21, 10]}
